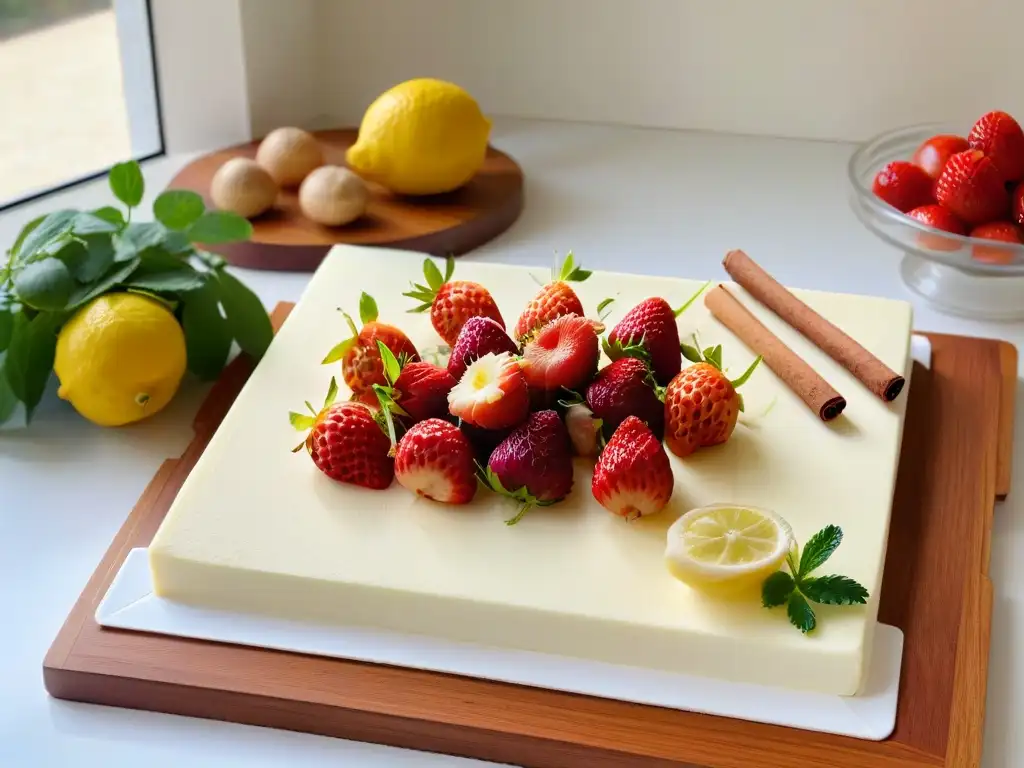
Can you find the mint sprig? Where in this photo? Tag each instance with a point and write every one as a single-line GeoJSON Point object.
{"type": "Point", "coordinates": [797, 589]}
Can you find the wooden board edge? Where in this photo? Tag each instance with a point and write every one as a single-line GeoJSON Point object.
{"type": "Point", "coordinates": [1008, 407]}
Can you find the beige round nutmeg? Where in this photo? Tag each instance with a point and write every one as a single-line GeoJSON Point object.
{"type": "Point", "coordinates": [289, 155]}
{"type": "Point", "coordinates": [333, 196]}
{"type": "Point", "coordinates": [244, 187]}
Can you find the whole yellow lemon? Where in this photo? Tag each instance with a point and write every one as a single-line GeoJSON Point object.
{"type": "Point", "coordinates": [120, 358]}
{"type": "Point", "coordinates": [422, 137]}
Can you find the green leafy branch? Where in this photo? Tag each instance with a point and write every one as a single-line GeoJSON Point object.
{"type": "Point", "coordinates": [797, 589]}
{"type": "Point", "coordinates": [65, 259]}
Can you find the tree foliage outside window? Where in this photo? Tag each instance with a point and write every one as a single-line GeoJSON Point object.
{"type": "Point", "coordinates": [20, 16]}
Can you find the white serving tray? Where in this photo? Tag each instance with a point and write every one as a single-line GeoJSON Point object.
{"type": "Point", "coordinates": [131, 605]}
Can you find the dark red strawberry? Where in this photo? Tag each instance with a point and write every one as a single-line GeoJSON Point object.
{"type": "Point", "coordinates": [649, 331]}
{"type": "Point", "coordinates": [1001, 231]}
{"type": "Point", "coordinates": [555, 299]}
{"type": "Point", "coordinates": [561, 355]}
{"type": "Point", "coordinates": [479, 335]}
{"type": "Point", "coordinates": [435, 460]}
{"type": "Point", "coordinates": [452, 302]}
{"type": "Point", "coordinates": [633, 476]}
{"type": "Point", "coordinates": [345, 442]}
{"type": "Point", "coordinates": [584, 430]}
{"type": "Point", "coordinates": [492, 393]}
{"type": "Point", "coordinates": [626, 388]}
{"type": "Point", "coordinates": [484, 441]}
{"type": "Point", "coordinates": [1000, 137]}
{"type": "Point", "coordinates": [903, 185]}
{"type": "Point", "coordinates": [971, 188]}
{"type": "Point", "coordinates": [932, 155]}
{"type": "Point", "coordinates": [937, 217]}
{"type": "Point", "coordinates": [533, 465]}
{"type": "Point", "coordinates": [361, 365]}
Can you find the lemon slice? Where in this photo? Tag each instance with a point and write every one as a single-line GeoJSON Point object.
{"type": "Point", "coordinates": [727, 548]}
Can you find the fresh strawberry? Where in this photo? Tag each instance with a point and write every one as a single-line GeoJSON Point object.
{"type": "Point", "coordinates": [633, 477]}
{"type": "Point", "coordinates": [625, 388]}
{"type": "Point", "coordinates": [584, 429]}
{"type": "Point", "coordinates": [361, 366]}
{"type": "Point", "coordinates": [1000, 137]}
{"type": "Point", "coordinates": [562, 354]}
{"type": "Point", "coordinates": [345, 442]}
{"type": "Point", "coordinates": [701, 404]}
{"type": "Point", "coordinates": [555, 299]}
{"type": "Point", "coordinates": [903, 185]}
{"type": "Point", "coordinates": [533, 465]}
{"type": "Point", "coordinates": [492, 393]}
{"type": "Point", "coordinates": [1002, 231]}
{"type": "Point", "coordinates": [932, 155]}
{"type": "Point", "coordinates": [478, 336]}
{"type": "Point", "coordinates": [937, 217]}
{"type": "Point", "coordinates": [649, 331]}
{"type": "Point", "coordinates": [452, 302]}
{"type": "Point", "coordinates": [1017, 200]}
{"type": "Point", "coordinates": [435, 460]}
{"type": "Point", "coordinates": [971, 188]}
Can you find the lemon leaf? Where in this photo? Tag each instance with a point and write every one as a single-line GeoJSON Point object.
{"type": "Point", "coordinates": [215, 227]}
{"type": "Point", "coordinates": [247, 317]}
{"type": "Point", "coordinates": [127, 184]}
{"type": "Point", "coordinates": [8, 400]}
{"type": "Point", "coordinates": [28, 362]}
{"type": "Point", "coordinates": [118, 272]}
{"type": "Point", "coordinates": [45, 285]}
{"type": "Point", "coordinates": [207, 336]}
{"type": "Point", "coordinates": [178, 208]}
{"type": "Point", "coordinates": [40, 233]}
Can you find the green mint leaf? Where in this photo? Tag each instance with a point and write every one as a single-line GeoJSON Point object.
{"type": "Point", "coordinates": [392, 368]}
{"type": "Point", "coordinates": [110, 214]}
{"type": "Point", "coordinates": [776, 589]}
{"type": "Point", "coordinates": [90, 224]}
{"type": "Point", "coordinates": [247, 317]}
{"type": "Point", "coordinates": [215, 227]}
{"type": "Point", "coordinates": [28, 361]}
{"type": "Point", "coordinates": [45, 285]}
{"type": "Point", "coordinates": [834, 590]}
{"type": "Point", "coordinates": [800, 613]}
{"type": "Point", "coordinates": [819, 549]}
{"type": "Point", "coordinates": [691, 353]}
{"type": "Point", "coordinates": [50, 228]}
{"type": "Point", "coordinates": [8, 400]}
{"type": "Point", "coordinates": [207, 336]}
{"type": "Point", "coordinates": [367, 308]}
{"type": "Point", "coordinates": [746, 374]}
{"type": "Point", "coordinates": [127, 184]}
{"type": "Point", "coordinates": [433, 275]}
{"type": "Point", "coordinates": [449, 268]}
{"type": "Point", "coordinates": [178, 208]}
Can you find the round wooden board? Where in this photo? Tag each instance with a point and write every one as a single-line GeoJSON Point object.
{"type": "Point", "coordinates": [453, 223]}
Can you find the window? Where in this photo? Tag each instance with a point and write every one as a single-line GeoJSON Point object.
{"type": "Point", "coordinates": [77, 92]}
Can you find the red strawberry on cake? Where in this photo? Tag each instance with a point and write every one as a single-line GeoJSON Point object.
{"type": "Point", "coordinates": [555, 299]}
{"type": "Point", "coordinates": [413, 392]}
{"type": "Point", "coordinates": [479, 335]}
{"type": "Point", "coordinates": [626, 388]}
{"type": "Point", "coordinates": [435, 460]}
{"type": "Point", "coordinates": [533, 465]}
{"type": "Point", "coordinates": [345, 442]}
{"type": "Point", "coordinates": [492, 393]}
{"type": "Point", "coordinates": [633, 476]}
{"type": "Point", "coordinates": [561, 355]}
{"type": "Point", "coordinates": [971, 187]}
{"type": "Point", "coordinates": [452, 302]}
{"type": "Point", "coordinates": [1001, 139]}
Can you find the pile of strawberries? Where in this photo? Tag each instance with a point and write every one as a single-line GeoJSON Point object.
{"type": "Point", "coordinates": [509, 412]}
{"type": "Point", "coordinates": [968, 186]}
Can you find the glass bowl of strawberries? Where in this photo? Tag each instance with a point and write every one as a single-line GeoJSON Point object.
{"type": "Point", "coordinates": [951, 197]}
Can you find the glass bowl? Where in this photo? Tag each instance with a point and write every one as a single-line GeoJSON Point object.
{"type": "Point", "coordinates": [958, 275]}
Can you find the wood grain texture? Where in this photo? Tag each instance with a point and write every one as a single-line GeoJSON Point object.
{"type": "Point", "coordinates": [1004, 466]}
{"type": "Point", "coordinates": [454, 223]}
{"type": "Point", "coordinates": [940, 530]}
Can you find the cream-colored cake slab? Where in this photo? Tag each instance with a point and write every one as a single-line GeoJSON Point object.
{"type": "Point", "coordinates": [258, 528]}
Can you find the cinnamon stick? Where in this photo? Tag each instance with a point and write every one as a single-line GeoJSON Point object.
{"type": "Point", "coordinates": [805, 382]}
{"type": "Point", "coordinates": [869, 370]}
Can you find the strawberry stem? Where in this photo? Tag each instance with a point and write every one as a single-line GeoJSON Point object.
{"type": "Point", "coordinates": [736, 383]}
{"type": "Point", "coordinates": [692, 299]}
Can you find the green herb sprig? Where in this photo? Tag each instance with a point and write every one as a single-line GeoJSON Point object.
{"type": "Point", "coordinates": [797, 589]}
{"type": "Point", "coordinates": [65, 259]}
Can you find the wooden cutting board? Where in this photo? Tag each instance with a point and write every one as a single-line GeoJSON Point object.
{"type": "Point", "coordinates": [442, 225]}
{"type": "Point", "coordinates": [955, 463]}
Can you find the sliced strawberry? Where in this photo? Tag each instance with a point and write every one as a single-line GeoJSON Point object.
{"type": "Point", "coordinates": [932, 155]}
{"type": "Point", "coordinates": [626, 388]}
{"type": "Point", "coordinates": [1000, 137]}
{"type": "Point", "coordinates": [533, 465]}
{"type": "Point", "coordinates": [479, 335]}
{"type": "Point", "coordinates": [492, 393]}
{"type": "Point", "coordinates": [937, 217]}
{"type": "Point", "coordinates": [633, 476]}
{"type": "Point", "coordinates": [1001, 231]}
{"type": "Point", "coordinates": [346, 443]}
{"type": "Point", "coordinates": [555, 299]}
{"type": "Point", "coordinates": [562, 354]}
{"type": "Point", "coordinates": [584, 429]}
{"type": "Point", "coordinates": [903, 185]}
{"type": "Point", "coordinates": [435, 460]}
{"type": "Point", "coordinates": [452, 303]}
{"type": "Point", "coordinates": [970, 186]}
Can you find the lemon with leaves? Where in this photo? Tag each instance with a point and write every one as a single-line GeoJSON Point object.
{"type": "Point", "coordinates": [421, 137]}
{"type": "Point", "coordinates": [120, 358]}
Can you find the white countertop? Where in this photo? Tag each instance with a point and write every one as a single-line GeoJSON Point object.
{"type": "Point", "coordinates": [654, 202]}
